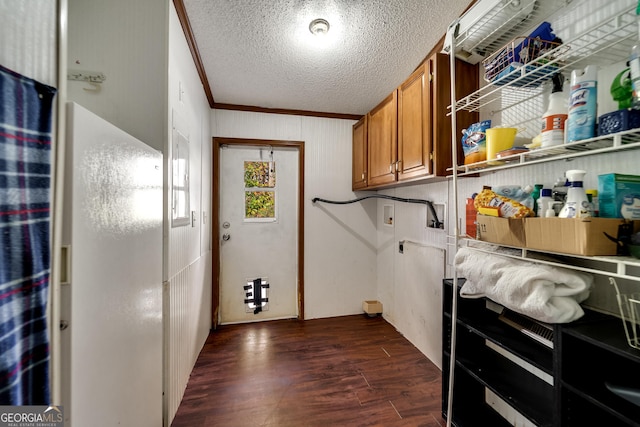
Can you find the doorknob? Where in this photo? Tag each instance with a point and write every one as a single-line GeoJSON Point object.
{"type": "Point", "coordinates": [226, 236]}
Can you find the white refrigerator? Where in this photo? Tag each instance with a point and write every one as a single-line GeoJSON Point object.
{"type": "Point", "coordinates": [112, 298]}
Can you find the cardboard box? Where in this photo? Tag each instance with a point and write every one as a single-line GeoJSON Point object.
{"type": "Point", "coordinates": [578, 236]}
{"type": "Point", "coordinates": [503, 231]}
{"type": "Point", "coordinates": [619, 196]}
{"type": "Point", "coordinates": [372, 307]}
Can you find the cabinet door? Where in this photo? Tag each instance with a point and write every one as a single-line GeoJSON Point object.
{"type": "Point", "coordinates": [359, 160]}
{"type": "Point", "coordinates": [382, 137]}
{"type": "Point", "coordinates": [414, 126]}
{"type": "Point", "coordinates": [440, 83]}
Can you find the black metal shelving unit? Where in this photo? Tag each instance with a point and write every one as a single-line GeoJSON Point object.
{"type": "Point", "coordinates": [588, 358]}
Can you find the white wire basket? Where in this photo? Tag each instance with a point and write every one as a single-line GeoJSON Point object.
{"type": "Point", "coordinates": [535, 60]}
{"type": "Point", "coordinates": [629, 305]}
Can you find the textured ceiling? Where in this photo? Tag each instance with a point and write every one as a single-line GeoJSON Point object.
{"type": "Point", "coordinates": [260, 53]}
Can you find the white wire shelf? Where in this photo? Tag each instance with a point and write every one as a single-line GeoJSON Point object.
{"type": "Point", "coordinates": [626, 140]}
{"type": "Point", "coordinates": [608, 42]}
{"type": "Point", "coordinates": [621, 267]}
{"type": "Point", "coordinates": [490, 24]}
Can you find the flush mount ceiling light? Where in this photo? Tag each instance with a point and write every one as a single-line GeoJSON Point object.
{"type": "Point", "coordinates": [319, 27]}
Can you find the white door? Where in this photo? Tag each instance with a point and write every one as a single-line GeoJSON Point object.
{"type": "Point", "coordinates": [112, 352]}
{"type": "Point", "coordinates": [258, 253]}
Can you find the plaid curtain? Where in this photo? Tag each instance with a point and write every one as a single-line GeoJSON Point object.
{"type": "Point", "coordinates": [25, 174]}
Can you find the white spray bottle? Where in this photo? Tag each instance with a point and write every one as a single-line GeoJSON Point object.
{"type": "Point", "coordinates": [577, 204]}
{"type": "Point", "coordinates": [545, 202]}
{"type": "Point", "coordinates": [553, 120]}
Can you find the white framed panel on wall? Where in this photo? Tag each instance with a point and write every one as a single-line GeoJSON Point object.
{"type": "Point", "coordinates": [180, 206]}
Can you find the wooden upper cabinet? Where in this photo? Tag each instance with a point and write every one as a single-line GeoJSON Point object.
{"type": "Point", "coordinates": [466, 82]}
{"type": "Point", "coordinates": [359, 160]}
{"type": "Point", "coordinates": [414, 125]}
{"type": "Point", "coordinates": [407, 137]}
{"type": "Point", "coordinates": [382, 142]}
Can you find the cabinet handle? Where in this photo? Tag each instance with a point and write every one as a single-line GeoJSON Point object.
{"type": "Point", "coordinates": [398, 163]}
{"type": "Point", "coordinates": [362, 176]}
{"type": "Point", "coordinates": [391, 168]}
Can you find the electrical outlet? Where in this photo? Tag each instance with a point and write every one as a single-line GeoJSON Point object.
{"type": "Point", "coordinates": [438, 220]}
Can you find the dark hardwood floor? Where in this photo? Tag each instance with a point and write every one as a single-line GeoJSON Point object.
{"type": "Point", "coordinates": [342, 371]}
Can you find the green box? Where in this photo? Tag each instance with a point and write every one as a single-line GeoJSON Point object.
{"type": "Point", "coordinates": [619, 196]}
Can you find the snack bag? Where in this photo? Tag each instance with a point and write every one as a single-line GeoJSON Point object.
{"type": "Point", "coordinates": [474, 145]}
{"type": "Point", "coordinates": [507, 208]}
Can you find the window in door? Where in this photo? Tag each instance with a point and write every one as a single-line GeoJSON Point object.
{"type": "Point", "coordinates": [259, 191]}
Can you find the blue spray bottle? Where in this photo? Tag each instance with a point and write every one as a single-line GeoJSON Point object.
{"type": "Point", "coordinates": [581, 123]}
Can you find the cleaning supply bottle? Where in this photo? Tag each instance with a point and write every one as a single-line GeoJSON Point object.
{"type": "Point", "coordinates": [577, 204]}
{"type": "Point", "coordinates": [559, 191]}
{"type": "Point", "coordinates": [471, 215]}
{"type": "Point", "coordinates": [634, 67]}
{"type": "Point", "coordinates": [581, 123]}
{"type": "Point", "coordinates": [622, 88]}
{"type": "Point", "coordinates": [553, 120]}
{"type": "Point", "coordinates": [535, 195]}
{"type": "Point", "coordinates": [551, 212]}
{"type": "Point", "coordinates": [592, 195]}
{"type": "Point", "coordinates": [544, 202]}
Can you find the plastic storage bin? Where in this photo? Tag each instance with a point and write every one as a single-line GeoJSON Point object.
{"type": "Point", "coordinates": [618, 121]}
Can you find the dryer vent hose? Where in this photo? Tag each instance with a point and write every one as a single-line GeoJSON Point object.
{"type": "Point", "coordinates": [436, 222]}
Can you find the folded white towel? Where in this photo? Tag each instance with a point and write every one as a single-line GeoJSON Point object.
{"type": "Point", "coordinates": [543, 292]}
